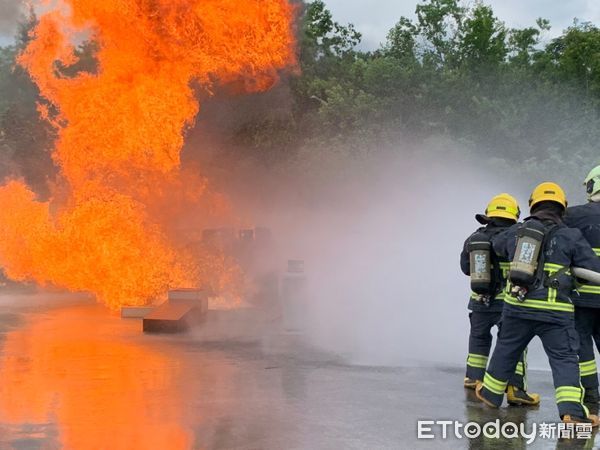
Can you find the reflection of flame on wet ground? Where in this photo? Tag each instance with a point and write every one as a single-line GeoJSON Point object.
{"type": "Point", "coordinates": [80, 380]}
{"type": "Point", "coordinates": [74, 377]}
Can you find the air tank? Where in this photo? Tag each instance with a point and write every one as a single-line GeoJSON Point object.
{"type": "Point", "coordinates": [294, 296]}
{"type": "Point", "coordinates": [530, 239]}
{"type": "Point", "coordinates": [480, 258]}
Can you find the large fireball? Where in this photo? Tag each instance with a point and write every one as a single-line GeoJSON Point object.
{"type": "Point", "coordinates": [120, 130]}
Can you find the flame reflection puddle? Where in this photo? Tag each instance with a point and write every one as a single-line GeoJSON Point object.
{"type": "Point", "coordinates": [80, 380]}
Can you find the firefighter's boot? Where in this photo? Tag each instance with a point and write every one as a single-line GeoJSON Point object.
{"type": "Point", "coordinates": [481, 397]}
{"type": "Point", "coordinates": [516, 396]}
{"type": "Point", "coordinates": [592, 419]}
{"type": "Point", "coordinates": [591, 396]}
{"type": "Point", "coordinates": [470, 383]}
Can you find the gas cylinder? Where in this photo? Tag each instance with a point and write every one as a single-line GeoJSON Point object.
{"type": "Point", "coordinates": [294, 297]}
{"type": "Point", "coordinates": [480, 258]}
{"type": "Point", "coordinates": [530, 239]}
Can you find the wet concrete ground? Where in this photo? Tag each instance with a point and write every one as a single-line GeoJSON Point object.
{"type": "Point", "coordinates": [74, 376]}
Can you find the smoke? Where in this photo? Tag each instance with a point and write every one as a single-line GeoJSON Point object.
{"type": "Point", "coordinates": [11, 13]}
{"type": "Point", "coordinates": [385, 283]}
{"type": "Point", "coordinates": [381, 241]}
{"type": "Point", "coordinates": [382, 258]}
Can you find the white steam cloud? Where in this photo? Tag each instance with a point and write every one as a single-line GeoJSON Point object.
{"type": "Point", "coordinates": [382, 259]}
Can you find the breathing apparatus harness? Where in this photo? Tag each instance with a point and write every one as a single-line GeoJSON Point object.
{"type": "Point", "coordinates": [484, 266]}
{"type": "Point", "coordinates": [527, 269]}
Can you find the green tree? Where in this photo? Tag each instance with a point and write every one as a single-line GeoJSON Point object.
{"type": "Point", "coordinates": [25, 139]}
{"type": "Point", "coordinates": [439, 22]}
{"type": "Point", "coordinates": [523, 43]}
{"type": "Point", "coordinates": [575, 57]}
{"type": "Point", "coordinates": [401, 42]}
{"type": "Point", "coordinates": [482, 43]}
{"type": "Point", "coordinates": [323, 41]}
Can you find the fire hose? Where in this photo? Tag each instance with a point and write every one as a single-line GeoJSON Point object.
{"type": "Point", "coordinates": [588, 275]}
{"type": "Point", "coordinates": [585, 274]}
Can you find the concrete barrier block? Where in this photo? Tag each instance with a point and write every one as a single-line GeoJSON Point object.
{"type": "Point", "coordinates": [184, 309]}
{"type": "Point", "coordinates": [135, 312]}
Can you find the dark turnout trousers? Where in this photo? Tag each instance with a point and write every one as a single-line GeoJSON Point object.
{"type": "Point", "coordinates": [480, 343]}
{"type": "Point", "coordinates": [561, 344]}
{"type": "Point", "coordinates": [587, 323]}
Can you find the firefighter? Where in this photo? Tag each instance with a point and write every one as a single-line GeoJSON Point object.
{"type": "Point", "coordinates": [586, 297]}
{"type": "Point", "coordinates": [541, 251]}
{"type": "Point", "coordinates": [485, 305]}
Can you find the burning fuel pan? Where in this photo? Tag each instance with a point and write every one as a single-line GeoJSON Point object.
{"type": "Point", "coordinates": [184, 309]}
{"type": "Point", "coordinates": [135, 312]}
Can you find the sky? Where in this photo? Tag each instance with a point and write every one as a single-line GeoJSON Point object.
{"type": "Point", "coordinates": [374, 18]}
{"type": "Point", "coordinates": [9, 14]}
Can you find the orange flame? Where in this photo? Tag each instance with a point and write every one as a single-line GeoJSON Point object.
{"type": "Point", "coordinates": [120, 132]}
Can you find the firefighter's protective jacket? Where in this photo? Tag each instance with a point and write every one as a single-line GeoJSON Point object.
{"type": "Point", "coordinates": [586, 218]}
{"type": "Point", "coordinates": [565, 248]}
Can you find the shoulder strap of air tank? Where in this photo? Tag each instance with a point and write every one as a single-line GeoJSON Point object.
{"type": "Point", "coordinates": [496, 272]}
{"type": "Point", "coordinates": [478, 230]}
{"type": "Point", "coordinates": [492, 231]}
{"type": "Point", "coordinates": [548, 235]}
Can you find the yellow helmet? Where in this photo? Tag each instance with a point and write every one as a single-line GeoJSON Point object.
{"type": "Point", "coordinates": [548, 192]}
{"type": "Point", "coordinates": [505, 206]}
